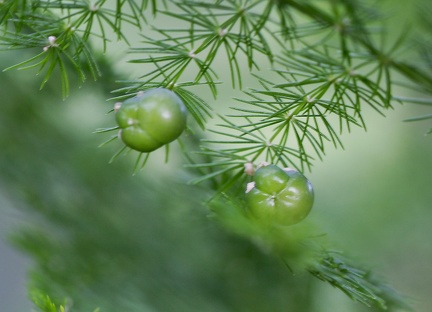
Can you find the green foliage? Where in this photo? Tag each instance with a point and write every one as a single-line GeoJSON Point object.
{"type": "Point", "coordinates": [357, 283]}
{"type": "Point", "coordinates": [330, 63]}
{"type": "Point", "coordinates": [423, 43]}
{"type": "Point", "coordinates": [45, 304]}
{"type": "Point", "coordinates": [61, 30]}
{"type": "Point", "coordinates": [303, 248]}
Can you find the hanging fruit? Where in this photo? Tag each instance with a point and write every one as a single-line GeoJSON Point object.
{"type": "Point", "coordinates": [151, 120]}
{"type": "Point", "coordinates": [279, 196]}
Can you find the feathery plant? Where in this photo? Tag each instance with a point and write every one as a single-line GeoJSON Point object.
{"type": "Point", "coordinates": [44, 303]}
{"type": "Point", "coordinates": [61, 31]}
{"type": "Point", "coordinates": [423, 42]}
{"type": "Point", "coordinates": [329, 63]}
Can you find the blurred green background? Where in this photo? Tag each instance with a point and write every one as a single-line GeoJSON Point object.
{"type": "Point", "coordinates": [144, 242]}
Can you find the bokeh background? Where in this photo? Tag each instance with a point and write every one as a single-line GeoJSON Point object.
{"type": "Point", "coordinates": [108, 238]}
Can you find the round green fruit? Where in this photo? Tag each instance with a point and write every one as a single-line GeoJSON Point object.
{"type": "Point", "coordinates": [279, 196]}
{"type": "Point", "coordinates": [151, 120]}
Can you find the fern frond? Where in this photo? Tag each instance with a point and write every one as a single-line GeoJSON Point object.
{"type": "Point", "coordinates": [357, 283]}
{"type": "Point", "coordinates": [199, 40]}
{"type": "Point", "coordinates": [236, 147]}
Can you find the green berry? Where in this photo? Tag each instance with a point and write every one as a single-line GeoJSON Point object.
{"type": "Point", "coordinates": [151, 120]}
{"type": "Point", "coordinates": [278, 196]}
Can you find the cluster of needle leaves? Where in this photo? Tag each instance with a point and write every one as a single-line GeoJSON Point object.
{"type": "Point", "coordinates": [423, 42]}
{"type": "Point", "coordinates": [59, 33]}
{"type": "Point", "coordinates": [329, 63]}
{"type": "Point", "coordinates": [44, 303]}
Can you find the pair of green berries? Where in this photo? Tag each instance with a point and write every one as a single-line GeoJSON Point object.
{"type": "Point", "coordinates": [158, 116]}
